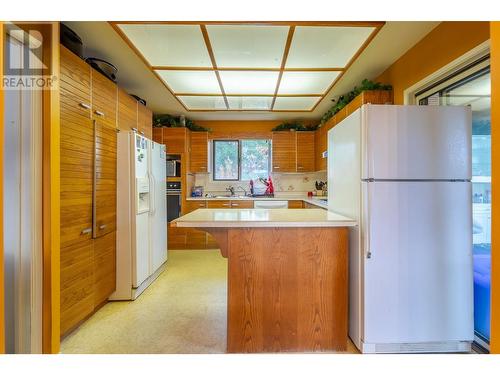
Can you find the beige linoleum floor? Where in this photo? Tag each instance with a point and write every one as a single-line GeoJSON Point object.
{"type": "Point", "coordinates": [183, 311]}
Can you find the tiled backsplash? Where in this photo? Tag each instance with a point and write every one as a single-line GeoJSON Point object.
{"type": "Point", "coordinates": [299, 183]}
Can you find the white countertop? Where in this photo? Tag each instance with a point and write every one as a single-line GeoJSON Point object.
{"type": "Point", "coordinates": [283, 217]}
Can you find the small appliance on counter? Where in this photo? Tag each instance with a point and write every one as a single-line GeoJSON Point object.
{"type": "Point", "coordinates": [197, 191]}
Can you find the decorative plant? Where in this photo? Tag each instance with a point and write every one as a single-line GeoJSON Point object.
{"type": "Point", "coordinates": [169, 121]}
{"type": "Point", "coordinates": [343, 100]}
{"type": "Point", "coordinates": [294, 125]}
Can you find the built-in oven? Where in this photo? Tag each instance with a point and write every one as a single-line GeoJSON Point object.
{"type": "Point", "coordinates": [173, 200]}
{"type": "Point", "coordinates": [173, 166]}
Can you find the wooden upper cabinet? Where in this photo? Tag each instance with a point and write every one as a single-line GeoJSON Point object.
{"type": "Point", "coordinates": [198, 147]}
{"type": "Point", "coordinates": [145, 120]}
{"type": "Point", "coordinates": [283, 148]}
{"type": "Point", "coordinates": [105, 180]}
{"type": "Point", "coordinates": [305, 151]}
{"type": "Point", "coordinates": [76, 150]}
{"type": "Point", "coordinates": [321, 145]}
{"type": "Point", "coordinates": [127, 111]}
{"type": "Point", "coordinates": [175, 139]}
{"type": "Point", "coordinates": [104, 99]}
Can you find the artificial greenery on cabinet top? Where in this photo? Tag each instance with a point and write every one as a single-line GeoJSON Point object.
{"type": "Point", "coordinates": [343, 100]}
{"type": "Point", "coordinates": [169, 121]}
{"type": "Point", "coordinates": [294, 126]}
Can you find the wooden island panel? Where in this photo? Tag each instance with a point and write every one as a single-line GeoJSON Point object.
{"type": "Point", "coordinates": [291, 296]}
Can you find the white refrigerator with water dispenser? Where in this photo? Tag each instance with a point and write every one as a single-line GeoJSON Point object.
{"type": "Point", "coordinates": [403, 172]}
{"type": "Point", "coordinates": [141, 238]}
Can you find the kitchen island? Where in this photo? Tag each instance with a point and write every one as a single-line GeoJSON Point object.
{"type": "Point", "coordinates": [287, 277]}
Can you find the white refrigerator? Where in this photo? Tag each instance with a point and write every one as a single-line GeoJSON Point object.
{"type": "Point", "coordinates": [403, 172]}
{"type": "Point", "coordinates": [141, 238]}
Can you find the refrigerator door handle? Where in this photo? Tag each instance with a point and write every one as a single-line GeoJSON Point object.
{"type": "Point", "coordinates": [153, 194]}
{"type": "Point", "coordinates": [367, 221]}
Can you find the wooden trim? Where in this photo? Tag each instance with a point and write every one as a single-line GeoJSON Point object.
{"type": "Point", "coordinates": [256, 23]}
{"type": "Point", "coordinates": [250, 95]}
{"type": "Point", "coordinates": [354, 58]}
{"type": "Point", "coordinates": [206, 38]}
{"type": "Point", "coordinates": [244, 69]}
{"type": "Point", "coordinates": [292, 24]}
{"type": "Point", "coordinates": [2, 309]}
{"type": "Point", "coordinates": [114, 25]}
{"type": "Point", "coordinates": [283, 62]}
{"type": "Point", "coordinates": [51, 198]}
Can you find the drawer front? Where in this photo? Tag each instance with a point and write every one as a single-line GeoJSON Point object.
{"type": "Point", "coordinates": [241, 204]}
{"type": "Point", "coordinates": [219, 203]}
{"type": "Point", "coordinates": [194, 205]}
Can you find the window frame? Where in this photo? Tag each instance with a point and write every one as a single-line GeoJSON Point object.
{"type": "Point", "coordinates": [240, 155]}
{"type": "Point", "coordinates": [213, 158]}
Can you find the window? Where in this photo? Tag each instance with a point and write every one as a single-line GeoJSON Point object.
{"type": "Point", "coordinates": [472, 87]}
{"type": "Point", "coordinates": [235, 160]}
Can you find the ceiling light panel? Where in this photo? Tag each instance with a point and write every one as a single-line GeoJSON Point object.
{"type": "Point", "coordinates": [169, 45]}
{"type": "Point", "coordinates": [250, 103]}
{"type": "Point", "coordinates": [248, 46]}
{"type": "Point", "coordinates": [306, 83]}
{"type": "Point", "coordinates": [325, 46]}
{"type": "Point", "coordinates": [249, 82]}
{"type": "Point", "coordinates": [191, 81]}
{"type": "Point", "coordinates": [297, 103]}
{"type": "Point", "coordinates": [210, 103]}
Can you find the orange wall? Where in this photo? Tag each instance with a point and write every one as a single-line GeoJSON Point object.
{"type": "Point", "coordinates": [447, 42]}
{"type": "Point", "coordinates": [495, 187]}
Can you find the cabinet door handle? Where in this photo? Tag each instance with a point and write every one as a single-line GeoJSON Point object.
{"type": "Point", "coordinates": [86, 231]}
{"type": "Point", "coordinates": [300, 167]}
{"type": "Point", "coordinates": [276, 167]}
{"type": "Point", "coordinates": [225, 204]}
{"type": "Point", "coordinates": [201, 205]}
{"type": "Point", "coordinates": [99, 113]}
{"type": "Point", "coordinates": [234, 204]}
{"type": "Point", "coordinates": [83, 105]}
{"type": "Point", "coordinates": [102, 226]}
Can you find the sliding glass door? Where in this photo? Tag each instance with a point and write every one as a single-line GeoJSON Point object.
{"type": "Point", "coordinates": [471, 87]}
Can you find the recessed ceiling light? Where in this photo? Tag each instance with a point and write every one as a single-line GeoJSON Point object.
{"type": "Point", "coordinates": [296, 103]}
{"type": "Point", "coordinates": [249, 82]}
{"type": "Point", "coordinates": [306, 83]}
{"type": "Point", "coordinates": [191, 81]}
{"type": "Point", "coordinates": [204, 102]}
{"type": "Point", "coordinates": [248, 46]}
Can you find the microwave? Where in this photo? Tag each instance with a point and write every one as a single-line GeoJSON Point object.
{"type": "Point", "coordinates": [173, 168]}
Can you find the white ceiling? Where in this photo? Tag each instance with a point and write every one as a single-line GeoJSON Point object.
{"type": "Point", "coordinates": [102, 41]}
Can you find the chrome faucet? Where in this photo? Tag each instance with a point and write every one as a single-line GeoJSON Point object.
{"type": "Point", "coordinates": [242, 188]}
{"type": "Point", "coordinates": [230, 189]}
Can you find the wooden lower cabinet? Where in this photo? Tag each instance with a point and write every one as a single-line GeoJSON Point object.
{"type": "Point", "coordinates": [296, 204]}
{"type": "Point", "coordinates": [77, 284]}
{"type": "Point", "coordinates": [104, 267]}
{"type": "Point", "coordinates": [194, 239]}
